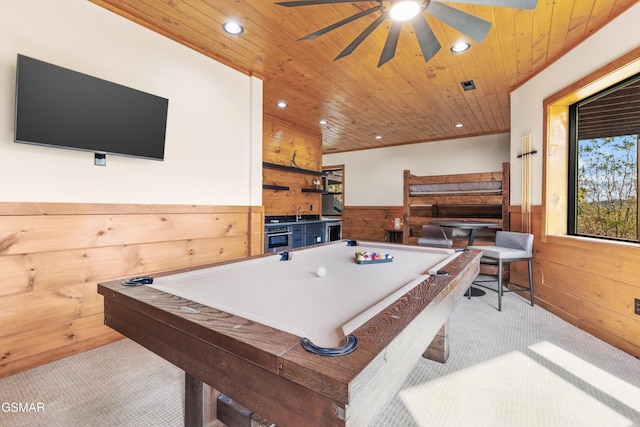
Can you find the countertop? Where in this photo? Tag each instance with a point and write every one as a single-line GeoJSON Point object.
{"type": "Point", "coordinates": [302, 222]}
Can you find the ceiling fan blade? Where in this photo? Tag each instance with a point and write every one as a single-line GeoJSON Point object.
{"type": "Point", "coordinates": [356, 42]}
{"type": "Point", "coordinates": [340, 23]}
{"type": "Point", "coordinates": [389, 49]}
{"type": "Point", "coordinates": [469, 25]}
{"type": "Point", "coordinates": [312, 2]}
{"type": "Point", "coordinates": [514, 4]}
{"type": "Point", "coordinates": [429, 44]}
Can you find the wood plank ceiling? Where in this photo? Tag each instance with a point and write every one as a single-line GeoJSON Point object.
{"type": "Point", "coordinates": [404, 101]}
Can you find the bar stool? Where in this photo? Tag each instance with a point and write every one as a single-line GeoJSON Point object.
{"type": "Point", "coordinates": [509, 247]}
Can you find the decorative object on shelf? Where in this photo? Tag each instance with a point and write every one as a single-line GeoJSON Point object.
{"type": "Point", "coordinates": [316, 183]}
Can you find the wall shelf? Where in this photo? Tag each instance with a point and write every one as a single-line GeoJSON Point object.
{"type": "Point", "coordinates": [291, 169]}
{"type": "Point", "coordinates": [275, 187]}
{"type": "Point", "coordinates": [312, 190]}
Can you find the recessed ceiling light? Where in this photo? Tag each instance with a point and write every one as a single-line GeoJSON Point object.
{"type": "Point", "coordinates": [378, 136]}
{"type": "Point", "coordinates": [403, 10]}
{"type": "Point", "coordinates": [460, 47]}
{"type": "Point", "coordinates": [323, 122]}
{"type": "Point", "coordinates": [459, 125]}
{"type": "Point", "coordinates": [232, 27]}
{"type": "Point", "coordinates": [281, 104]}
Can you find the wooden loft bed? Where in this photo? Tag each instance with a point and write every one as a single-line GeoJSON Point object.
{"type": "Point", "coordinates": [480, 196]}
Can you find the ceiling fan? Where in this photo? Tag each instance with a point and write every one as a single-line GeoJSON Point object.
{"type": "Point", "coordinates": [401, 11]}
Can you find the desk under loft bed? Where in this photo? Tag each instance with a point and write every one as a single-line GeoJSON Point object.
{"type": "Point", "coordinates": [482, 196]}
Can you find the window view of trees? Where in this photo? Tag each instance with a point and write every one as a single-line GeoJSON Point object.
{"type": "Point", "coordinates": [607, 187]}
{"type": "Point", "coordinates": [603, 193]}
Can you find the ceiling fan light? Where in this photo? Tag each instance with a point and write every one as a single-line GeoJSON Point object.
{"type": "Point", "coordinates": [403, 10]}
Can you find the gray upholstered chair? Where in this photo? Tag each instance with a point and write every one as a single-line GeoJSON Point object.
{"type": "Point", "coordinates": [434, 235]}
{"type": "Point", "coordinates": [509, 247]}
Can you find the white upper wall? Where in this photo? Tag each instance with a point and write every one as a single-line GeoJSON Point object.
{"type": "Point", "coordinates": [611, 42]}
{"type": "Point", "coordinates": [213, 152]}
{"type": "Point", "coordinates": [375, 177]}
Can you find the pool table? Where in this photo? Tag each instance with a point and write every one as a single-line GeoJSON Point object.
{"type": "Point", "coordinates": [297, 347]}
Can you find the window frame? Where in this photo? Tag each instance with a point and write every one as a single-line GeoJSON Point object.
{"type": "Point", "coordinates": [573, 157]}
{"type": "Point", "coordinates": [556, 141]}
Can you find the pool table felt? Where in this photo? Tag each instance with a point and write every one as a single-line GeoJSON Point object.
{"type": "Point", "coordinates": [288, 295]}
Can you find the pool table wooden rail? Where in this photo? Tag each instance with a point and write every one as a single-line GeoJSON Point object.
{"type": "Point", "coordinates": [268, 371]}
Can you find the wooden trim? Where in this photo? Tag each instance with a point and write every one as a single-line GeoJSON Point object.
{"type": "Point", "coordinates": [43, 208]}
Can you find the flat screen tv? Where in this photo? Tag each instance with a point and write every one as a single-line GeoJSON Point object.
{"type": "Point", "coordinates": [58, 107]}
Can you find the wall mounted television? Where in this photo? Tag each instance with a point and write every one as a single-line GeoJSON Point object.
{"type": "Point", "coordinates": [58, 107]}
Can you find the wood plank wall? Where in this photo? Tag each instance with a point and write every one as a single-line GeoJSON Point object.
{"type": "Point", "coordinates": [368, 222]}
{"type": "Point", "coordinates": [589, 283]}
{"type": "Point", "coordinates": [281, 140]}
{"type": "Point", "coordinates": [52, 255]}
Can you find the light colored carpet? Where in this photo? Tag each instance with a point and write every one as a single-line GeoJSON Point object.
{"type": "Point", "coordinates": [519, 367]}
{"type": "Point", "coordinates": [522, 366]}
{"type": "Point", "coordinates": [491, 394]}
{"type": "Point", "coordinates": [120, 384]}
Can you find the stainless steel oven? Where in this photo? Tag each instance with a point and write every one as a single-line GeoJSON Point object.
{"type": "Point", "coordinates": [278, 238]}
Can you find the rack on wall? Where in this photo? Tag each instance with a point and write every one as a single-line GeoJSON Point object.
{"type": "Point", "coordinates": [275, 187]}
{"type": "Point", "coordinates": [290, 169]}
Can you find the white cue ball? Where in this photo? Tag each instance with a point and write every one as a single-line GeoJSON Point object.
{"type": "Point", "coordinates": [321, 272]}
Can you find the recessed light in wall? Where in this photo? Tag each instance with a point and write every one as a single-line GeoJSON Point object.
{"type": "Point", "coordinates": [281, 104]}
{"type": "Point", "coordinates": [232, 27]}
{"type": "Point", "coordinates": [323, 122]}
{"type": "Point", "coordinates": [460, 47]}
{"type": "Point", "coordinates": [459, 125]}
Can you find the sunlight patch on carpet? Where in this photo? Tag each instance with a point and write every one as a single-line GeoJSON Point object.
{"type": "Point", "coordinates": [610, 384]}
{"type": "Point", "coordinates": [506, 391]}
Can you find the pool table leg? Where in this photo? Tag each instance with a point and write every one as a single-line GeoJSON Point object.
{"type": "Point", "coordinates": [199, 403]}
{"type": "Point", "coordinates": [438, 350]}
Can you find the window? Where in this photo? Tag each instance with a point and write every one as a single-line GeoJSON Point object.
{"type": "Point", "coordinates": [604, 132]}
